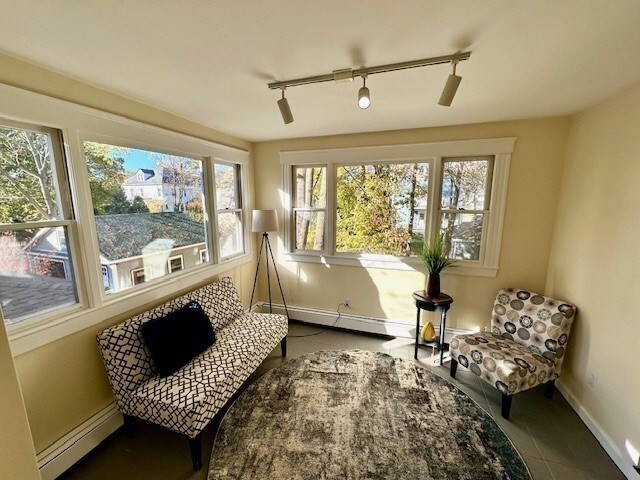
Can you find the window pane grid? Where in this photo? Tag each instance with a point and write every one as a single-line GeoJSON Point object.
{"type": "Point", "coordinates": [229, 210]}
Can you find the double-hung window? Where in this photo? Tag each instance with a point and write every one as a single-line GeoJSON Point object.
{"type": "Point", "coordinates": [376, 206]}
{"type": "Point", "coordinates": [37, 227]}
{"type": "Point", "coordinates": [229, 210]}
{"type": "Point", "coordinates": [309, 210]}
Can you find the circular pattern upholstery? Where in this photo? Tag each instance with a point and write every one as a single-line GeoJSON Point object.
{"type": "Point", "coordinates": [526, 347]}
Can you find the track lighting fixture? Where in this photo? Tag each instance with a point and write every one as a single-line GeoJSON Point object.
{"type": "Point", "coordinates": [285, 110]}
{"type": "Point", "coordinates": [451, 87]}
{"type": "Point", "coordinates": [364, 97]}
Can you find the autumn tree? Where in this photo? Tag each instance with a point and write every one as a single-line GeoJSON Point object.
{"type": "Point", "coordinates": [182, 176]}
{"type": "Point", "coordinates": [106, 174]}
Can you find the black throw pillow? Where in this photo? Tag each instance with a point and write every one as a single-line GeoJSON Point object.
{"type": "Point", "coordinates": [177, 338]}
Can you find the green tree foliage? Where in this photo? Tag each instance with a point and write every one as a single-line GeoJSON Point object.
{"type": "Point", "coordinates": [376, 206]}
{"type": "Point", "coordinates": [27, 184]}
{"type": "Point", "coordinates": [194, 210]}
{"type": "Point", "coordinates": [138, 206]}
{"type": "Point", "coordinates": [106, 174]}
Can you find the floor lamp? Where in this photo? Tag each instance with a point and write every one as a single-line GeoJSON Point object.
{"type": "Point", "coordinates": [265, 221]}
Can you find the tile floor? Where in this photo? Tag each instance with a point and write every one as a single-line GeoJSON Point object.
{"type": "Point", "coordinates": [549, 435]}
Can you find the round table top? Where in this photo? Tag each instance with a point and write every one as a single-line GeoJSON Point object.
{"type": "Point", "coordinates": [440, 300]}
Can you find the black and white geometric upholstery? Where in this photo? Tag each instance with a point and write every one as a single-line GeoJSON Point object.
{"type": "Point", "coordinates": [187, 400]}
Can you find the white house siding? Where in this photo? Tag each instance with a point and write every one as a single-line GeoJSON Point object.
{"type": "Point", "coordinates": [157, 262]}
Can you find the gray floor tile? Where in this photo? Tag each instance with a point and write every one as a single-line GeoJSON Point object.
{"type": "Point", "coordinates": [548, 434]}
{"type": "Point", "coordinates": [538, 468]}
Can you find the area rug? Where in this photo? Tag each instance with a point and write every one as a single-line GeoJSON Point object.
{"type": "Point", "coordinates": [356, 415]}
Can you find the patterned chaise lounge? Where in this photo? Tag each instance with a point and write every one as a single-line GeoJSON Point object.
{"type": "Point", "coordinates": [187, 400]}
{"type": "Point", "coordinates": [526, 346]}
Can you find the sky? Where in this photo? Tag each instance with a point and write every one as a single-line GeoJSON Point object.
{"type": "Point", "coordinates": [135, 159]}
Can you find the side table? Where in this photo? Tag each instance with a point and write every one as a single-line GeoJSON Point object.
{"type": "Point", "coordinates": [441, 304]}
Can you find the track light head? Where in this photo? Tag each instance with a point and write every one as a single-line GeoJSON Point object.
{"type": "Point", "coordinates": [450, 88]}
{"type": "Point", "coordinates": [285, 110]}
{"type": "Point", "coordinates": [364, 97]}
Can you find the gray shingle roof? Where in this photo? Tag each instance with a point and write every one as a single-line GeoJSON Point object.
{"type": "Point", "coordinates": [125, 235]}
{"type": "Point", "coordinates": [151, 177]}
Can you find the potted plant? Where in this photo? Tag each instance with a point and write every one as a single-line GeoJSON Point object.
{"type": "Point", "coordinates": [435, 258]}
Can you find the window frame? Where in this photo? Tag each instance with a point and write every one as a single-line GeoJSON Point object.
{"type": "Point", "coordinates": [432, 153]}
{"type": "Point", "coordinates": [77, 124]}
{"type": "Point", "coordinates": [170, 269]}
{"type": "Point", "coordinates": [68, 220]}
{"type": "Point", "coordinates": [295, 209]}
{"type": "Point", "coordinates": [239, 210]}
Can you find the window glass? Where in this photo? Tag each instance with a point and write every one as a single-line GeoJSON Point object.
{"type": "Point", "coordinates": [36, 269]}
{"type": "Point", "coordinates": [229, 205]}
{"type": "Point", "coordinates": [36, 273]}
{"type": "Point", "coordinates": [310, 197]}
{"type": "Point", "coordinates": [149, 210]}
{"type": "Point", "coordinates": [464, 185]}
{"type": "Point", "coordinates": [381, 209]}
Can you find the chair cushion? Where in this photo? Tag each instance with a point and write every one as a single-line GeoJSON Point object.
{"type": "Point", "coordinates": [178, 337]}
{"type": "Point", "coordinates": [505, 364]}
{"type": "Point", "coordinates": [188, 399]}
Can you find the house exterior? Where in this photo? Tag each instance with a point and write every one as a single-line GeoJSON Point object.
{"type": "Point", "coordinates": [161, 184]}
{"type": "Point", "coordinates": [134, 248]}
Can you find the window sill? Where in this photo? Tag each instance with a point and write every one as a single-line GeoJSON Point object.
{"type": "Point", "coordinates": [32, 334]}
{"type": "Point", "coordinates": [388, 263]}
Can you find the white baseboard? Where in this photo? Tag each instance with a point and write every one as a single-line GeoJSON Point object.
{"type": "Point", "coordinates": [56, 459]}
{"type": "Point", "coordinates": [379, 326]}
{"type": "Point", "coordinates": [623, 463]}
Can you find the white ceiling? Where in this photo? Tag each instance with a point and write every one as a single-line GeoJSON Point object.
{"type": "Point", "coordinates": [210, 61]}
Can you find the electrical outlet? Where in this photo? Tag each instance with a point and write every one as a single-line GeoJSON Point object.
{"type": "Point", "coordinates": [592, 381]}
{"type": "Point", "coordinates": [347, 303]}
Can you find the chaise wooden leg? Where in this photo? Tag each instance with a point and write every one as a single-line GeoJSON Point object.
{"type": "Point", "coordinates": [506, 405]}
{"type": "Point", "coordinates": [195, 446]}
{"type": "Point", "coordinates": [283, 346]}
{"type": "Point", "coordinates": [454, 368]}
{"type": "Point", "coordinates": [549, 387]}
{"type": "Point", "coordinates": [129, 425]}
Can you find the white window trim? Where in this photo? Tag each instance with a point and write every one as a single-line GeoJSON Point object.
{"type": "Point", "coordinates": [432, 153]}
{"type": "Point", "coordinates": [148, 272]}
{"type": "Point", "coordinates": [78, 123]}
{"type": "Point", "coordinates": [241, 191]}
{"type": "Point", "coordinates": [175, 257]}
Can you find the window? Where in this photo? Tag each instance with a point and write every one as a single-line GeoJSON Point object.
{"type": "Point", "coordinates": [204, 256]}
{"type": "Point", "coordinates": [229, 206]}
{"type": "Point", "coordinates": [36, 221]}
{"type": "Point", "coordinates": [464, 203]}
{"type": "Point", "coordinates": [145, 229]}
{"type": "Point", "coordinates": [310, 200]}
{"type": "Point", "coordinates": [375, 206]}
{"type": "Point", "coordinates": [175, 264]}
{"type": "Point", "coordinates": [140, 275]}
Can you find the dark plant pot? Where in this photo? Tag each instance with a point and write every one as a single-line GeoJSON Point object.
{"type": "Point", "coordinates": [433, 285]}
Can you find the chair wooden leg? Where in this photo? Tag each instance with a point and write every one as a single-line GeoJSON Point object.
{"type": "Point", "coordinates": [506, 405]}
{"type": "Point", "coordinates": [129, 425]}
{"type": "Point", "coordinates": [454, 368]}
{"type": "Point", "coordinates": [549, 387]}
{"type": "Point", "coordinates": [283, 346]}
{"type": "Point", "coordinates": [195, 447]}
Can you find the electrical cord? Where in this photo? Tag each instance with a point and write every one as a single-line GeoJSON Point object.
{"type": "Point", "coordinates": [324, 329]}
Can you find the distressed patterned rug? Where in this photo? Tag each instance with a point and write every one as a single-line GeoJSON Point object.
{"type": "Point", "coordinates": [353, 415]}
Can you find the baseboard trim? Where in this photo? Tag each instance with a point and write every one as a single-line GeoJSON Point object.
{"type": "Point", "coordinates": [609, 446]}
{"type": "Point", "coordinates": [378, 326]}
{"type": "Point", "coordinates": [59, 457]}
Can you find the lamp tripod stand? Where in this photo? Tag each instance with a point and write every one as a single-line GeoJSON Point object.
{"type": "Point", "coordinates": [268, 253]}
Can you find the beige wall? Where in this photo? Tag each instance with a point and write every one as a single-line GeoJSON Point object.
{"type": "Point", "coordinates": [595, 264]}
{"type": "Point", "coordinates": [534, 183]}
{"type": "Point", "coordinates": [64, 382]}
{"type": "Point", "coordinates": [17, 456]}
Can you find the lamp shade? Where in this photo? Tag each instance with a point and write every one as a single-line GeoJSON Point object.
{"type": "Point", "coordinates": [264, 221]}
